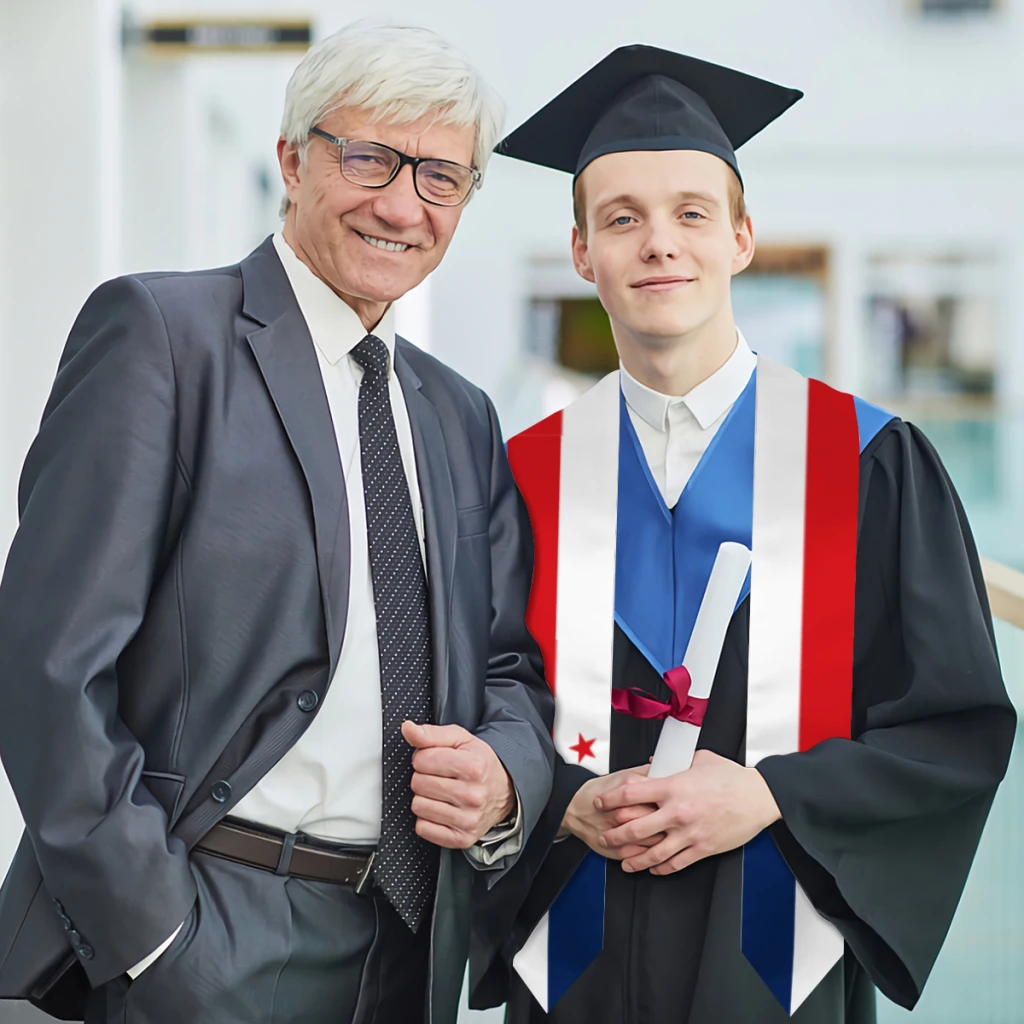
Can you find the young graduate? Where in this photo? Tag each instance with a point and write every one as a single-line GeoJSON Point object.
{"type": "Point", "coordinates": [858, 725]}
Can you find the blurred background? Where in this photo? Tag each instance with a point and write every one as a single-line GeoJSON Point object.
{"type": "Point", "coordinates": [887, 205]}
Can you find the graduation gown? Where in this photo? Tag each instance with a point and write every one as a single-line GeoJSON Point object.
{"type": "Point", "coordinates": [880, 831]}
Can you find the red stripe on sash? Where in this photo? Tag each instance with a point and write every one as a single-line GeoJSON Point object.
{"type": "Point", "coordinates": [830, 565]}
{"type": "Point", "coordinates": [536, 458]}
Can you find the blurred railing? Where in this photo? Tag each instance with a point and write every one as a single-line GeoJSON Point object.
{"type": "Point", "coordinates": [1005, 591]}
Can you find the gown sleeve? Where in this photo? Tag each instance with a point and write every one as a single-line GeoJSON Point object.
{"type": "Point", "coordinates": [881, 829]}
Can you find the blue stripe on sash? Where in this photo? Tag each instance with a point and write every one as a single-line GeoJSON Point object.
{"type": "Point", "coordinates": [768, 919]}
{"type": "Point", "coordinates": [576, 926]}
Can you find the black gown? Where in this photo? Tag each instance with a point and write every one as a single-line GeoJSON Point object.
{"type": "Point", "coordinates": [880, 830]}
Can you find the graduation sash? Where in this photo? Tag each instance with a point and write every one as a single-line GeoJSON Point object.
{"type": "Point", "coordinates": [782, 477]}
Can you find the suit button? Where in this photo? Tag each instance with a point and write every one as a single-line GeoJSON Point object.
{"type": "Point", "coordinates": [85, 951]}
{"type": "Point", "coordinates": [308, 700]}
{"type": "Point", "coordinates": [67, 922]}
{"type": "Point", "coordinates": [221, 791]}
{"type": "Point", "coordinates": [74, 937]}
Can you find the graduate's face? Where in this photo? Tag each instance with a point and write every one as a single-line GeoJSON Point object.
{"type": "Point", "coordinates": [336, 224]}
{"type": "Point", "coordinates": [660, 243]}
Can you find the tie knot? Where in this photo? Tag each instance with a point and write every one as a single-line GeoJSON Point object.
{"type": "Point", "coordinates": [372, 355]}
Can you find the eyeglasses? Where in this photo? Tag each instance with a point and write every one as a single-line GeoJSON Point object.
{"type": "Point", "coordinates": [374, 165]}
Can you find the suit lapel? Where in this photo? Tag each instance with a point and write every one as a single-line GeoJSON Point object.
{"type": "Point", "coordinates": [287, 360]}
{"type": "Point", "coordinates": [439, 516]}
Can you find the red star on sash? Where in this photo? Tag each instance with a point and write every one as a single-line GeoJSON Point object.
{"type": "Point", "coordinates": [585, 748]}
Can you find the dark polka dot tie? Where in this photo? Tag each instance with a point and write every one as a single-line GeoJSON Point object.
{"type": "Point", "coordinates": [406, 865]}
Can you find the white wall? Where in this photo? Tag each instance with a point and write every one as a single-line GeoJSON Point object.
{"type": "Point", "coordinates": [907, 135]}
{"type": "Point", "coordinates": [61, 170]}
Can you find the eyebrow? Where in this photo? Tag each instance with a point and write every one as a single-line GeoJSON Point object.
{"type": "Point", "coordinates": [625, 199]}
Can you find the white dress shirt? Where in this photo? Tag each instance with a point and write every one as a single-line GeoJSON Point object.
{"type": "Point", "coordinates": [674, 432]}
{"type": "Point", "coordinates": [329, 783]}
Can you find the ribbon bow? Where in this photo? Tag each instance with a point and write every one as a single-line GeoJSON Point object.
{"type": "Point", "coordinates": [639, 704]}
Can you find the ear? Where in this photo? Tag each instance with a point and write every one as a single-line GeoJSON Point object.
{"type": "Point", "coordinates": [744, 246]}
{"type": "Point", "coordinates": [288, 158]}
{"type": "Point", "coordinates": [581, 256]}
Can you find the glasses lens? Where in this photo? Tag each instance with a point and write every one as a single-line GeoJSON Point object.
{"type": "Point", "coordinates": [443, 182]}
{"type": "Point", "coordinates": [366, 163]}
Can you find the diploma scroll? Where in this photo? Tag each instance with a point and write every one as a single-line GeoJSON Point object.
{"type": "Point", "coordinates": [678, 740]}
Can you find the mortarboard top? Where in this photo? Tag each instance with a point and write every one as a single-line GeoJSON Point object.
{"type": "Point", "coordinates": [645, 98]}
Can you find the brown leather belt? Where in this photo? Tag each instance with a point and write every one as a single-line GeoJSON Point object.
{"type": "Point", "coordinates": [286, 855]}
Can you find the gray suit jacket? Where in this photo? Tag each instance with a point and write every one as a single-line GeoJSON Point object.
{"type": "Point", "coordinates": [180, 576]}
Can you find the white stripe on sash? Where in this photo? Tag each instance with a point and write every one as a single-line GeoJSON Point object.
{"type": "Point", "coordinates": [817, 945]}
{"type": "Point", "coordinates": [531, 962]}
{"type": "Point", "coordinates": [585, 610]}
{"type": "Point", "coordinates": [777, 569]}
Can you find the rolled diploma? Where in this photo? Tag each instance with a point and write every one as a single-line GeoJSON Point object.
{"type": "Point", "coordinates": [678, 740]}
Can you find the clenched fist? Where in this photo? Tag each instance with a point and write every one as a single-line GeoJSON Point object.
{"type": "Point", "coordinates": [461, 789]}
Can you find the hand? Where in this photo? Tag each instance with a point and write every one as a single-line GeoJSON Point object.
{"type": "Point", "coordinates": [461, 787]}
{"type": "Point", "coordinates": [584, 820]}
{"type": "Point", "coordinates": [714, 806]}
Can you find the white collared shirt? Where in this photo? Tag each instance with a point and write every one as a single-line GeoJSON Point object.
{"type": "Point", "coordinates": [674, 432]}
{"type": "Point", "coordinates": [329, 783]}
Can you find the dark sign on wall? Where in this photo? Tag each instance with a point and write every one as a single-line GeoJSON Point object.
{"type": "Point", "coordinates": [939, 7]}
{"type": "Point", "coordinates": [240, 35]}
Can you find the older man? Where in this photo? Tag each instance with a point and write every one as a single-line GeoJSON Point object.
{"type": "Point", "coordinates": [268, 698]}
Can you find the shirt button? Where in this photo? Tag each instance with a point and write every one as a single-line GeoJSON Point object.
{"type": "Point", "coordinates": [308, 700]}
{"type": "Point", "coordinates": [221, 791]}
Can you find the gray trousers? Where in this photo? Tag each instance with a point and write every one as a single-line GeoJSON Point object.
{"type": "Point", "coordinates": [261, 948]}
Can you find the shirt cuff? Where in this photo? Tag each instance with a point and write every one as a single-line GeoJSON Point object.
{"type": "Point", "coordinates": [499, 843]}
{"type": "Point", "coordinates": [134, 972]}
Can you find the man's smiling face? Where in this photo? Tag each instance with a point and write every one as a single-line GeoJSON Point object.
{"type": "Point", "coordinates": [371, 245]}
{"type": "Point", "coordinates": [661, 242]}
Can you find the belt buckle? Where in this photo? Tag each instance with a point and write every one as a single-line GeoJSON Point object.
{"type": "Point", "coordinates": [365, 874]}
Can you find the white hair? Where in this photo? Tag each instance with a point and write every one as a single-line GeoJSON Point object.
{"type": "Point", "coordinates": [396, 73]}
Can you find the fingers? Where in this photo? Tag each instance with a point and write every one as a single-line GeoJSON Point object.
{"type": "Point", "coordinates": [636, 790]}
{"type": "Point", "coordinates": [423, 736]}
{"type": "Point", "coordinates": [456, 792]}
{"type": "Point", "coordinates": [442, 835]}
{"type": "Point", "coordinates": [438, 812]}
{"type": "Point", "coordinates": [669, 847]}
{"type": "Point", "coordinates": [631, 813]}
{"type": "Point", "coordinates": [636, 831]}
{"type": "Point", "coordinates": [465, 763]}
{"type": "Point", "coordinates": [629, 852]}
{"type": "Point", "coordinates": [681, 860]}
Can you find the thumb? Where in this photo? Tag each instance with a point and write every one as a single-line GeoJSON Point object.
{"type": "Point", "coordinates": [421, 736]}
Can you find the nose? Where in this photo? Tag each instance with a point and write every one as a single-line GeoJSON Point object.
{"type": "Point", "coordinates": [397, 204]}
{"type": "Point", "coordinates": [661, 241]}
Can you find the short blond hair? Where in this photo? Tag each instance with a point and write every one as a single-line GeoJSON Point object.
{"type": "Point", "coordinates": [737, 204]}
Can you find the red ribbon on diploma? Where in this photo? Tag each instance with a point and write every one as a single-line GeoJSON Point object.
{"type": "Point", "coordinates": [638, 704]}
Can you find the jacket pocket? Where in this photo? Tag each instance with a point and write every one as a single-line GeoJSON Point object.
{"type": "Point", "coordinates": [167, 787]}
{"type": "Point", "coordinates": [473, 521]}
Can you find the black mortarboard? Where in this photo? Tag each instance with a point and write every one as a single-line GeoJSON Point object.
{"type": "Point", "coordinates": [645, 98]}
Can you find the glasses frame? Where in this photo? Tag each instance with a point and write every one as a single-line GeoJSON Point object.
{"type": "Point", "coordinates": [403, 159]}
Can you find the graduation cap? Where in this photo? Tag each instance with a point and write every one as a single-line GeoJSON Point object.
{"type": "Point", "coordinates": [645, 98]}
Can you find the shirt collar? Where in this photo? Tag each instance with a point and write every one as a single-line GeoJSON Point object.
{"type": "Point", "coordinates": [708, 401]}
{"type": "Point", "coordinates": [334, 325]}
